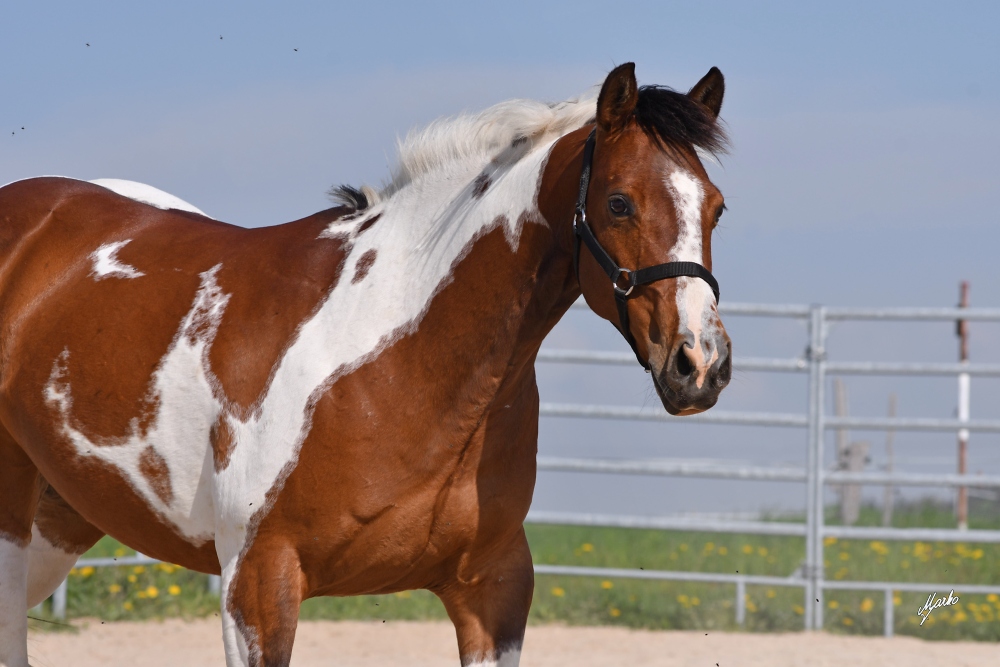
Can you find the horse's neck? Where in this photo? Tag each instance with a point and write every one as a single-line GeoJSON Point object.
{"type": "Point", "coordinates": [458, 251]}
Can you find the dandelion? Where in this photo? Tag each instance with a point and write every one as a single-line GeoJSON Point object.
{"type": "Point", "coordinates": [119, 552]}
{"type": "Point", "coordinates": [138, 569]}
{"type": "Point", "coordinates": [403, 594]}
{"type": "Point", "coordinates": [74, 572]}
{"type": "Point", "coordinates": [132, 579]}
{"type": "Point", "coordinates": [683, 599]}
{"type": "Point", "coordinates": [723, 551]}
{"type": "Point", "coordinates": [867, 604]}
{"type": "Point", "coordinates": [86, 571]}
{"type": "Point", "coordinates": [829, 541]}
{"type": "Point", "coordinates": [896, 600]}
{"type": "Point", "coordinates": [127, 606]}
{"type": "Point", "coordinates": [607, 585]}
{"type": "Point", "coordinates": [879, 547]}
{"type": "Point", "coordinates": [833, 604]}
{"type": "Point", "coordinates": [587, 547]}
{"type": "Point", "coordinates": [174, 589]}
{"type": "Point", "coordinates": [615, 612]}
{"type": "Point", "coordinates": [114, 588]}
{"type": "Point", "coordinates": [709, 547]}
{"type": "Point", "coordinates": [844, 555]}
{"type": "Point", "coordinates": [848, 621]}
{"type": "Point", "coordinates": [751, 607]}
{"type": "Point", "coordinates": [695, 601]}
{"type": "Point", "coordinates": [770, 593]}
{"type": "Point", "coordinates": [747, 549]}
{"type": "Point", "coordinates": [761, 551]}
{"type": "Point", "coordinates": [798, 609]}
{"type": "Point", "coordinates": [684, 547]}
{"type": "Point", "coordinates": [977, 554]}
{"type": "Point", "coordinates": [558, 591]}
{"type": "Point", "coordinates": [152, 591]}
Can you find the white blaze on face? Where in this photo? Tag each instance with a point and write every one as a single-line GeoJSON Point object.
{"type": "Point", "coordinates": [696, 307]}
{"type": "Point", "coordinates": [106, 264]}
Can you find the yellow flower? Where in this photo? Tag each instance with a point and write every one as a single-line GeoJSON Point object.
{"type": "Point", "coordinates": [848, 621]}
{"type": "Point", "coordinates": [558, 592]}
{"type": "Point", "coordinates": [403, 594]}
{"type": "Point", "coordinates": [174, 589]}
{"type": "Point", "coordinates": [723, 551]}
{"type": "Point", "coordinates": [833, 604]}
{"type": "Point", "coordinates": [132, 578]}
{"type": "Point", "coordinates": [695, 601]}
{"type": "Point", "coordinates": [127, 606]}
{"type": "Point", "coordinates": [587, 547]}
{"type": "Point", "coordinates": [141, 595]}
{"type": "Point", "coordinates": [751, 607]}
{"type": "Point", "coordinates": [879, 547]}
{"type": "Point", "coordinates": [684, 547]}
{"type": "Point", "coordinates": [798, 609]}
{"type": "Point", "coordinates": [615, 612]}
{"type": "Point", "coordinates": [747, 549]}
{"type": "Point", "coordinates": [119, 552]}
{"type": "Point", "coordinates": [114, 588]}
{"type": "Point", "coordinates": [977, 554]}
{"type": "Point", "coordinates": [829, 541]}
{"type": "Point", "coordinates": [709, 546]}
{"type": "Point", "coordinates": [771, 593]}
{"type": "Point", "coordinates": [138, 569]}
{"type": "Point", "coordinates": [86, 571]}
{"type": "Point", "coordinates": [761, 551]}
{"type": "Point", "coordinates": [993, 597]}
{"type": "Point", "coordinates": [73, 572]}
{"type": "Point", "coordinates": [607, 585]}
{"type": "Point", "coordinates": [152, 591]}
{"type": "Point", "coordinates": [867, 604]}
{"type": "Point", "coordinates": [896, 600]}
{"type": "Point", "coordinates": [683, 599]}
{"type": "Point", "coordinates": [844, 555]}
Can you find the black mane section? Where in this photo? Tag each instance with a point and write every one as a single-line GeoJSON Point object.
{"type": "Point", "coordinates": [349, 196]}
{"type": "Point", "coordinates": [674, 119]}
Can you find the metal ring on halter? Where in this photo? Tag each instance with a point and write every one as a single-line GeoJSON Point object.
{"type": "Point", "coordinates": [631, 278]}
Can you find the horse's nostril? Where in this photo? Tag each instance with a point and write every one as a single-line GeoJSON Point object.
{"type": "Point", "coordinates": [684, 367]}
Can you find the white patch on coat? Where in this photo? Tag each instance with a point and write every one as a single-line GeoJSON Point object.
{"type": "Point", "coordinates": [48, 565]}
{"type": "Point", "coordinates": [107, 265]}
{"type": "Point", "coordinates": [181, 391]}
{"type": "Point", "coordinates": [509, 658]}
{"type": "Point", "coordinates": [696, 307]}
{"type": "Point", "coordinates": [13, 603]}
{"type": "Point", "coordinates": [147, 194]}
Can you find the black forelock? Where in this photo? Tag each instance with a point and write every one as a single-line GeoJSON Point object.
{"type": "Point", "coordinates": [675, 120]}
{"type": "Point", "coordinates": [349, 196]}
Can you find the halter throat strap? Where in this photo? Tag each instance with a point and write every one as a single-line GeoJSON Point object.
{"type": "Point", "coordinates": [623, 281]}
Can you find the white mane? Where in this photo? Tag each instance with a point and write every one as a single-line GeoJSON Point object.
{"type": "Point", "coordinates": [504, 132]}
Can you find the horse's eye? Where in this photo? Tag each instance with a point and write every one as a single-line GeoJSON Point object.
{"type": "Point", "coordinates": [718, 214]}
{"type": "Point", "coordinates": [619, 206]}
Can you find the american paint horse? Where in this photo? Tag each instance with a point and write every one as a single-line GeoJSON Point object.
{"type": "Point", "coordinates": [344, 404]}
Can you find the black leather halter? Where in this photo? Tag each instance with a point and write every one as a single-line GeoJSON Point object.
{"type": "Point", "coordinates": [624, 281]}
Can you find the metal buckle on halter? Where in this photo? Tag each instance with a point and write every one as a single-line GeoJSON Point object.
{"type": "Point", "coordinates": [631, 284]}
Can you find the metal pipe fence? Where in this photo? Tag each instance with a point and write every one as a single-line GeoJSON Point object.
{"type": "Point", "coordinates": [810, 576]}
{"type": "Point", "coordinates": [814, 363]}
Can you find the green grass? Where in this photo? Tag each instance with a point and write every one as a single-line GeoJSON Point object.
{"type": "Point", "coordinates": [163, 590]}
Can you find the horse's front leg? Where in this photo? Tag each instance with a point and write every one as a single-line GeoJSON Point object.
{"type": "Point", "coordinates": [262, 589]}
{"type": "Point", "coordinates": [488, 601]}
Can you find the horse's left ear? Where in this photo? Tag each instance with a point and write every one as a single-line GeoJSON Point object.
{"type": "Point", "coordinates": [709, 91]}
{"type": "Point", "coordinates": [619, 95]}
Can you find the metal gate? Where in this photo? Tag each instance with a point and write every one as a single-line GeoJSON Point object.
{"type": "Point", "coordinates": [815, 422]}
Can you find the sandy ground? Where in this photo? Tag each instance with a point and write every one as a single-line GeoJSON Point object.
{"type": "Point", "coordinates": [198, 644]}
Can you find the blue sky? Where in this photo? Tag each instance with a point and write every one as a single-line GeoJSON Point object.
{"type": "Point", "coordinates": [863, 172]}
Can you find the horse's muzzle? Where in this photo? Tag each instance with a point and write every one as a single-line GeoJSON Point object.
{"type": "Point", "coordinates": [690, 381]}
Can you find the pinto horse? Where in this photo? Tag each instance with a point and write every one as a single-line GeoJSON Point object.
{"type": "Point", "coordinates": [344, 404]}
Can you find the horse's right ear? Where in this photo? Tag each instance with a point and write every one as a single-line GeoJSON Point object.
{"type": "Point", "coordinates": [618, 98]}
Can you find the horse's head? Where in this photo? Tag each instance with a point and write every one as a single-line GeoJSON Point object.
{"type": "Point", "coordinates": [650, 202]}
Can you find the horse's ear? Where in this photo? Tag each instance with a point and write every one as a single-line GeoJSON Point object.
{"type": "Point", "coordinates": [709, 91]}
{"type": "Point", "coordinates": [618, 98]}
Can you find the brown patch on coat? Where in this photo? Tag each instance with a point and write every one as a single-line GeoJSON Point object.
{"type": "Point", "coordinates": [223, 443]}
{"type": "Point", "coordinates": [364, 265]}
{"type": "Point", "coordinates": [154, 468]}
{"type": "Point", "coordinates": [62, 526]}
{"type": "Point", "coordinates": [481, 185]}
{"type": "Point", "coordinates": [364, 226]}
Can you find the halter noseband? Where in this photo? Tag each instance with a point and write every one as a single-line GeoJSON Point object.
{"type": "Point", "coordinates": [632, 278]}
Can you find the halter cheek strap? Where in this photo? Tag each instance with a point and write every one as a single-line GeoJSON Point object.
{"type": "Point", "coordinates": [624, 281]}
